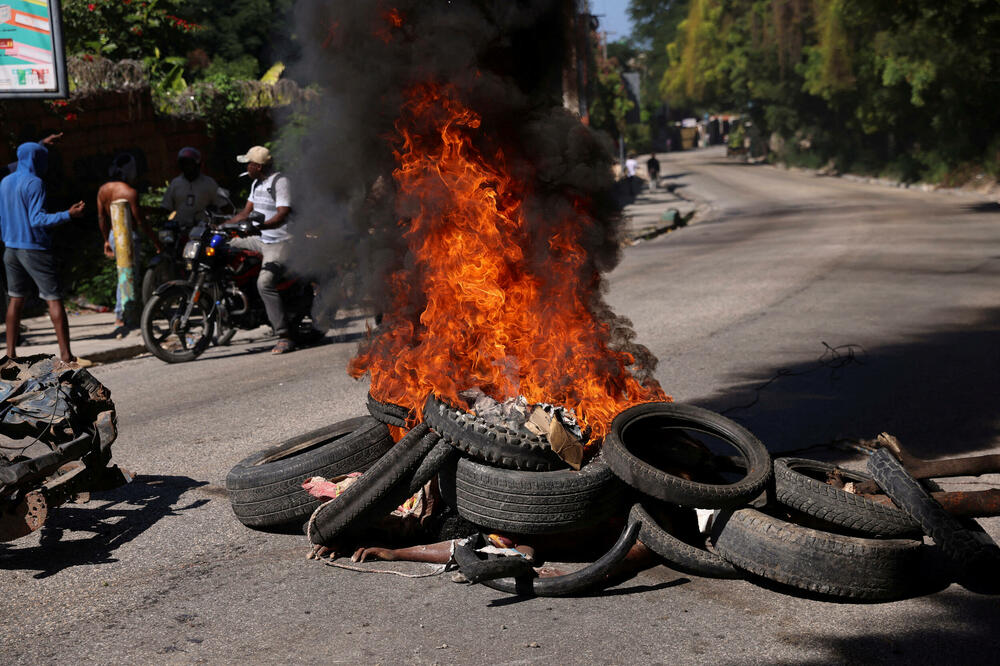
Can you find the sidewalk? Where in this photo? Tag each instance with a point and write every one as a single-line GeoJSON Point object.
{"type": "Point", "coordinates": [652, 212]}
{"type": "Point", "coordinates": [91, 337]}
{"type": "Point", "coordinates": [655, 211]}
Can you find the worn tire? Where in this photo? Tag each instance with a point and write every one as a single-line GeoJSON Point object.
{"type": "Point", "coordinates": [820, 562]}
{"type": "Point", "coordinates": [388, 413]}
{"type": "Point", "coordinates": [670, 488]}
{"type": "Point", "coordinates": [678, 554]}
{"type": "Point", "coordinates": [586, 579]}
{"type": "Point", "coordinates": [523, 502]}
{"type": "Point", "coordinates": [265, 488]}
{"type": "Point", "coordinates": [383, 487]}
{"type": "Point", "coordinates": [975, 555]}
{"type": "Point", "coordinates": [497, 445]}
{"type": "Point", "coordinates": [154, 312]}
{"type": "Point", "coordinates": [804, 493]}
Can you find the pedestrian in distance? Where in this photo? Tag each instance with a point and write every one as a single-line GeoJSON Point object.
{"type": "Point", "coordinates": [630, 166]}
{"type": "Point", "coordinates": [122, 174]}
{"type": "Point", "coordinates": [653, 169]}
{"type": "Point", "coordinates": [29, 262]}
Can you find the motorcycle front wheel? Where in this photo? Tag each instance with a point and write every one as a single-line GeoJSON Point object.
{"type": "Point", "coordinates": [170, 332]}
{"type": "Point", "coordinates": [154, 277]}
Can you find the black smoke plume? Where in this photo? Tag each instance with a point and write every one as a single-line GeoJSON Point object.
{"type": "Point", "coordinates": [504, 59]}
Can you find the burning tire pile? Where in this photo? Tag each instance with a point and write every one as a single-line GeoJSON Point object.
{"type": "Point", "coordinates": [801, 524]}
{"type": "Point", "coordinates": [511, 406]}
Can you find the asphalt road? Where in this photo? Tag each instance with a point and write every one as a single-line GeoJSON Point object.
{"type": "Point", "coordinates": [160, 571]}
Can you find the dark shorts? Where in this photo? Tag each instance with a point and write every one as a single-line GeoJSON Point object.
{"type": "Point", "coordinates": [30, 269]}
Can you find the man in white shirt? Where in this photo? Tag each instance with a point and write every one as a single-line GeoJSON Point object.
{"type": "Point", "coordinates": [630, 166]}
{"type": "Point", "coordinates": [192, 191]}
{"type": "Point", "coordinates": [269, 195]}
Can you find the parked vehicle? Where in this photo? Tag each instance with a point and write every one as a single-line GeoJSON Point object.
{"type": "Point", "coordinates": [219, 297]}
{"type": "Point", "coordinates": [57, 424]}
{"type": "Point", "coordinates": [169, 264]}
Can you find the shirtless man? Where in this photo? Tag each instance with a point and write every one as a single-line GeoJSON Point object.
{"type": "Point", "coordinates": [119, 188]}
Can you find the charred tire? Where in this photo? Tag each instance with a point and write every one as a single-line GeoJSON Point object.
{"type": "Point", "coordinates": [266, 488]}
{"type": "Point", "coordinates": [497, 445]}
{"type": "Point", "coordinates": [804, 493]}
{"type": "Point", "coordinates": [820, 562]}
{"type": "Point", "coordinates": [585, 580]}
{"type": "Point", "coordinates": [383, 487]}
{"type": "Point", "coordinates": [678, 554]}
{"type": "Point", "coordinates": [387, 412]}
{"type": "Point", "coordinates": [975, 556]}
{"type": "Point", "coordinates": [662, 485]}
{"type": "Point", "coordinates": [523, 502]}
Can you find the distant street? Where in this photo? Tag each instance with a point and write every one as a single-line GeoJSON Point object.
{"type": "Point", "coordinates": [778, 264]}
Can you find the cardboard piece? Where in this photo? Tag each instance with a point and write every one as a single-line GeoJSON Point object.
{"type": "Point", "coordinates": [565, 445]}
{"type": "Point", "coordinates": [539, 421]}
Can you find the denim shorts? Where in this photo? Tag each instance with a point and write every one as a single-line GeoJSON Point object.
{"type": "Point", "coordinates": [28, 269]}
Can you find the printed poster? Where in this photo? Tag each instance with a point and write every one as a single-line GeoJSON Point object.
{"type": "Point", "coordinates": [31, 51]}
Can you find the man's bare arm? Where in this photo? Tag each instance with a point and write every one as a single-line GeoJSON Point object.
{"type": "Point", "coordinates": [102, 220]}
{"type": "Point", "coordinates": [243, 214]}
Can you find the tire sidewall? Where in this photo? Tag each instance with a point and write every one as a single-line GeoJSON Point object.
{"type": "Point", "coordinates": [146, 325]}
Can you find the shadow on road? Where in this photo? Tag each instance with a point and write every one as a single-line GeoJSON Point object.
{"type": "Point", "coordinates": [939, 393]}
{"type": "Point", "coordinates": [113, 518]}
{"type": "Point", "coordinates": [947, 629]}
{"type": "Point", "coordinates": [984, 207]}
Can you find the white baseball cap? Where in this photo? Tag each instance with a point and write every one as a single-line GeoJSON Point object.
{"type": "Point", "coordinates": [257, 155]}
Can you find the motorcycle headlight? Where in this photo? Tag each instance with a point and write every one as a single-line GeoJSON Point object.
{"type": "Point", "coordinates": [191, 249]}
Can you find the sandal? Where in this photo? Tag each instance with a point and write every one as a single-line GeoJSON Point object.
{"type": "Point", "coordinates": [284, 345]}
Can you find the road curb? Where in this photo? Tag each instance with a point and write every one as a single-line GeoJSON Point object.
{"type": "Point", "coordinates": [116, 354]}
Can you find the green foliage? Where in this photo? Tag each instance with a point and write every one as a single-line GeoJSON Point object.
{"type": "Point", "coordinates": [876, 85]}
{"type": "Point", "coordinates": [610, 103]}
{"type": "Point", "coordinates": [125, 28]}
{"type": "Point", "coordinates": [243, 34]}
{"type": "Point", "coordinates": [654, 26]}
{"type": "Point", "coordinates": [100, 286]}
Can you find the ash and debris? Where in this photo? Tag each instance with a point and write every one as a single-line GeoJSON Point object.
{"type": "Point", "coordinates": [519, 415]}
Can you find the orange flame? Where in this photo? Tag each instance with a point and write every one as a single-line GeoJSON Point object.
{"type": "Point", "coordinates": [393, 19]}
{"type": "Point", "coordinates": [493, 315]}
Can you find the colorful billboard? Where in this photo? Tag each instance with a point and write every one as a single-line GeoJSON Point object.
{"type": "Point", "coordinates": [32, 60]}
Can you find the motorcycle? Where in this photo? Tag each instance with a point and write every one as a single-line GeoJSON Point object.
{"type": "Point", "coordinates": [183, 317]}
{"type": "Point", "coordinates": [169, 264]}
{"type": "Point", "coordinates": [57, 424]}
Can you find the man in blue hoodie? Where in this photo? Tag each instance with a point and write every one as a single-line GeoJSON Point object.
{"type": "Point", "coordinates": [28, 258]}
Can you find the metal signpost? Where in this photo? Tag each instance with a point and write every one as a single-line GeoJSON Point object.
{"type": "Point", "coordinates": [32, 57]}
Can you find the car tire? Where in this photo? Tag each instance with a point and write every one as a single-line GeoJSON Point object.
{"type": "Point", "coordinates": [670, 488]}
{"type": "Point", "coordinates": [802, 491]}
{"type": "Point", "coordinates": [383, 487]}
{"type": "Point", "coordinates": [494, 444]}
{"type": "Point", "coordinates": [521, 502]}
{"type": "Point", "coordinates": [974, 555]}
{"type": "Point", "coordinates": [821, 562]}
{"type": "Point", "coordinates": [679, 555]}
{"type": "Point", "coordinates": [388, 413]}
{"type": "Point", "coordinates": [587, 579]}
{"type": "Point", "coordinates": [265, 489]}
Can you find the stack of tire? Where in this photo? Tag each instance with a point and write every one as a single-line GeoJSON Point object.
{"type": "Point", "coordinates": [795, 529]}
{"type": "Point", "coordinates": [781, 523]}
